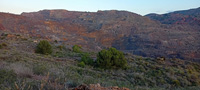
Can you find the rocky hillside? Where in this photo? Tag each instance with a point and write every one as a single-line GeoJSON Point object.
{"type": "Point", "coordinates": [123, 30]}
{"type": "Point", "coordinates": [23, 69]}
{"type": "Point", "coordinates": [184, 17]}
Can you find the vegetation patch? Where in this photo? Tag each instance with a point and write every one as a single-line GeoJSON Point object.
{"type": "Point", "coordinates": [21, 67]}
{"type": "Point", "coordinates": [76, 49]}
{"type": "Point", "coordinates": [87, 60]}
{"type": "Point", "coordinates": [44, 47]}
{"type": "Point", "coordinates": [7, 76]}
{"type": "Point", "coordinates": [111, 58]}
{"type": "Point", "coordinates": [40, 69]}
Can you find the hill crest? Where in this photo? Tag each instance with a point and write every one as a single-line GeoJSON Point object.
{"type": "Point", "coordinates": [123, 30]}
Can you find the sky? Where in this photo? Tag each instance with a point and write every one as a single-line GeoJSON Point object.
{"type": "Point", "coordinates": [141, 7]}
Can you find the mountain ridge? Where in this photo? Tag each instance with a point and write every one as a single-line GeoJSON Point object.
{"type": "Point", "coordinates": [191, 16]}
{"type": "Point", "coordinates": [123, 30]}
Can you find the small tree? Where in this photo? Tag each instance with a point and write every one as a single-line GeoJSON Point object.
{"type": "Point", "coordinates": [111, 58]}
{"type": "Point", "coordinates": [44, 47]}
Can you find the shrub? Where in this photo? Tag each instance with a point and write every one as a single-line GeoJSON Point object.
{"type": "Point", "coordinates": [111, 58]}
{"type": "Point", "coordinates": [81, 64]}
{"type": "Point", "coordinates": [7, 76]}
{"type": "Point", "coordinates": [4, 34]}
{"type": "Point", "coordinates": [3, 45]}
{"type": "Point", "coordinates": [40, 70]}
{"type": "Point", "coordinates": [76, 49]}
{"type": "Point", "coordinates": [87, 60]}
{"type": "Point", "coordinates": [44, 47]}
{"type": "Point", "coordinates": [61, 47]}
{"type": "Point", "coordinates": [176, 82]}
{"type": "Point", "coordinates": [56, 41]}
{"type": "Point", "coordinates": [22, 70]}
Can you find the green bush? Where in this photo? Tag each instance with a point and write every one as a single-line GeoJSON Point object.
{"type": "Point", "coordinates": [44, 47]}
{"type": "Point", "coordinates": [111, 58]}
{"type": "Point", "coordinates": [81, 64]}
{"type": "Point", "coordinates": [87, 60]}
{"type": "Point", "coordinates": [76, 49]}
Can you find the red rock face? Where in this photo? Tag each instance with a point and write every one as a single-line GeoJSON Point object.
{"type": "Point", "coordinates": [123, 30]}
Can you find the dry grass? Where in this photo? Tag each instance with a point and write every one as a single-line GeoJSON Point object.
{"type": "Point", "coordinates": [143, 74]}
{"type": "Point", "coordinates": [22, 70]}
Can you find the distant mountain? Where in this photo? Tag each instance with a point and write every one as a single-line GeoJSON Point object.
{"type": "Point", "coordinates": [191, 17]}
{"type": "Point", "coordinates": [123, 30]}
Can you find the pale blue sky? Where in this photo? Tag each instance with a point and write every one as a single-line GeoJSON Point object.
{"type": "Point", "coordinates": [137, 6]}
